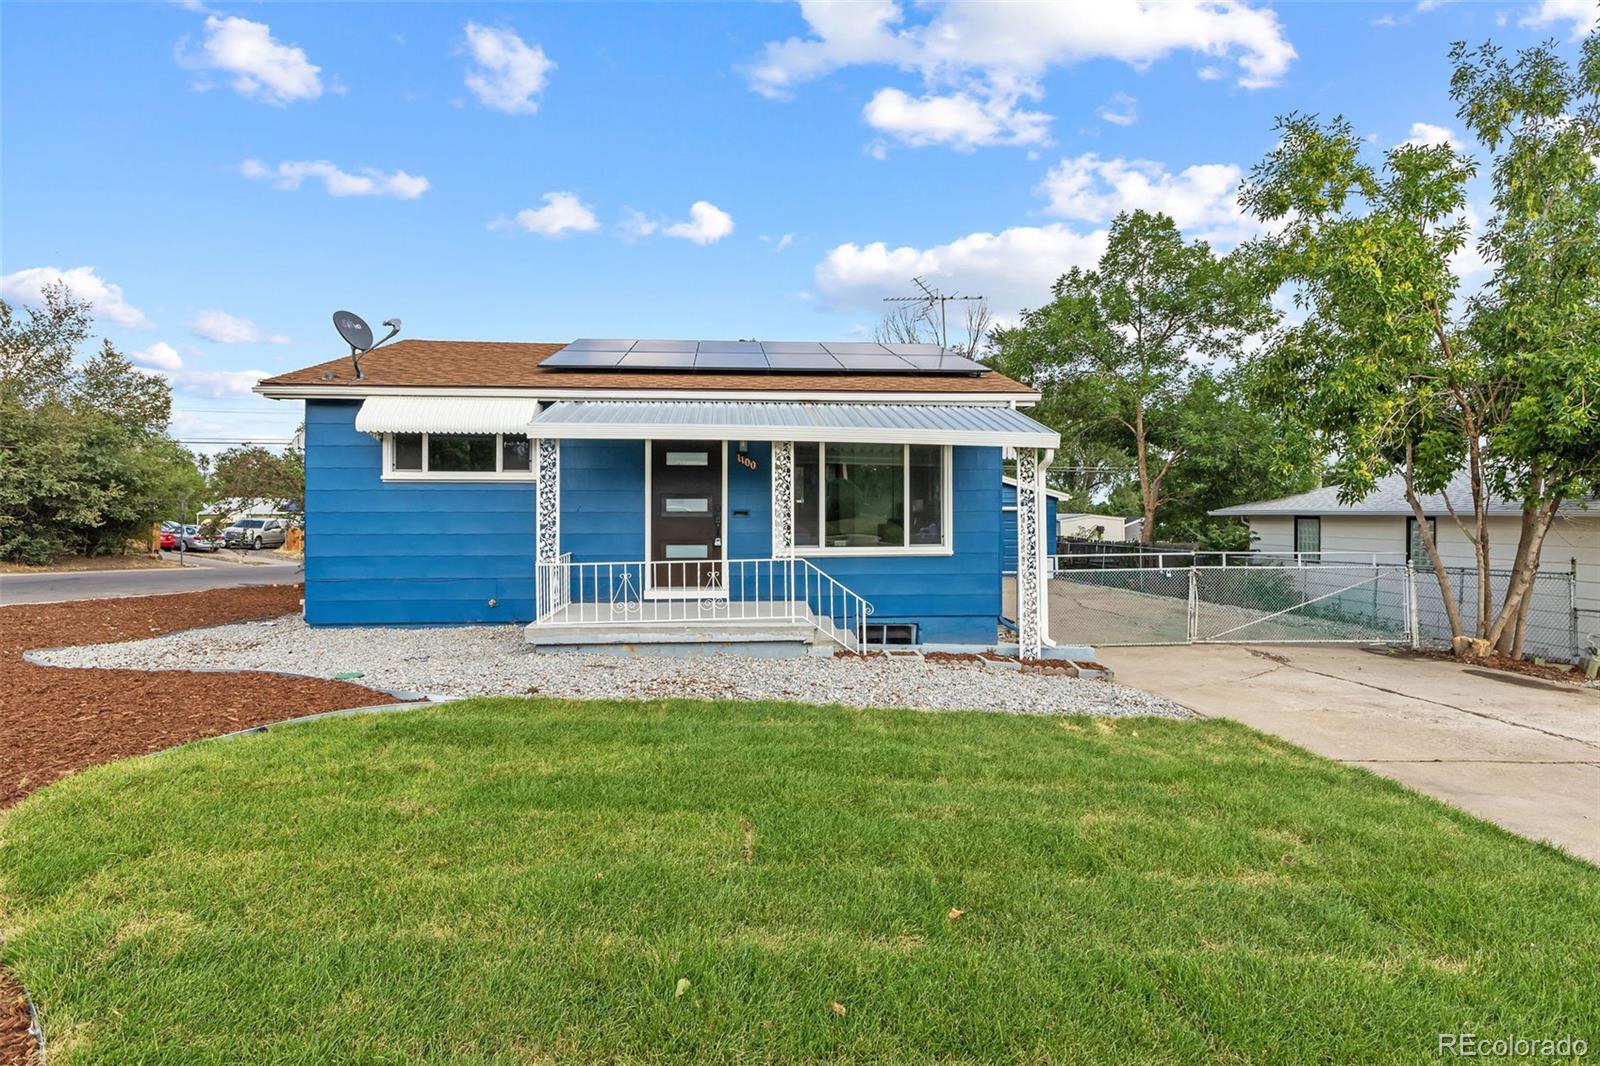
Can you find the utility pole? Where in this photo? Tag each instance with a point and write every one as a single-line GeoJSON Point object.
{"type": "Point", "coordinates": [931, 298]}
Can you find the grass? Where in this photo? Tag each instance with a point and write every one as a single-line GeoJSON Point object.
{"type": "Point", "coordinates": [529, 880]}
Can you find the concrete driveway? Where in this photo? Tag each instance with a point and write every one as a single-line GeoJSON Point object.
{"type": "Point", "coordinates": [202, 571]}
{"type": "Point", "coordinates": [1517, 751]}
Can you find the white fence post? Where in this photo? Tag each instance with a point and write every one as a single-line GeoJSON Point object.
{"type": "Point", "coordinates": [1194, 607]}
{"type": "Point", "coordinates": [1413, 623]}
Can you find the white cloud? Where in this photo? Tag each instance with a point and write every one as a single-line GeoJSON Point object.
{"type": "Point", "coordinates": [369, 182]}
{"type": "Point", "coordinates": [27, 287]}
{"type": "Point", "coordinates": [217, 384]}
{"type": "Point", "coordinates": [707, 224]}
{"type": "Point", "coordinates": [561, 214]}
{"type": "Point", "coordinates": [1012, 269]}
{"type": "Point", "coordinates": [976, 61]}
{"type": "Point", "coordinates": [1584, 15]}
{"type": "Point", "coordinates": [158, 356]}
{"type": "Point", "coordinates": [1201, 199]}
{"type": "Point", "coordinates": [224, 328]}
{"type": "Point", "coordinates": [1424, 134]}
{"type": "Point", "coordinates": [261, 67]}
{"type": "Point", "coordinates": [508, 74]}
{"type": "Point", "coordinates": [957, 120]}
{"type": "Point", "coordinates": [778, 243]}
{"type": "Point", "coordinates": [1120, 110]}
{"type": "Point", "coordinates": [637, 224]}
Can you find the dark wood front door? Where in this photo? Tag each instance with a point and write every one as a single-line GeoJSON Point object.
{"type": "Point", "coordinates": [686, 514]}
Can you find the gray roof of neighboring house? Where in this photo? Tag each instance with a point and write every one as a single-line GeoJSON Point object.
{"type": "Point", "coordinates": [1388, 497]}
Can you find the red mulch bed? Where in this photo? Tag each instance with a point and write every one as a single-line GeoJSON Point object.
{"type": "Point", "coordinates": [1528, 668]}
{"type": "Point", "coordinates": [56, 721]}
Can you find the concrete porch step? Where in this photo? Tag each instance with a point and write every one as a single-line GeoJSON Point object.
{"type": "Point", "coordinates": [661, 627]}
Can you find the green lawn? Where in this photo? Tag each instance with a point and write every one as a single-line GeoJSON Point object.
{"type": "Point", "coordinates": [515, 880]}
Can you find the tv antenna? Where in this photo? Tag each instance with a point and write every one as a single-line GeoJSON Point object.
{"type": "Point", "coordinates": [931, 298]}
{"type": "Point", "coordinates": [358, 335]}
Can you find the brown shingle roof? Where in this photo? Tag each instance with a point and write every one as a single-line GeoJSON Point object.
{"type": "Point", "coordinates": [515, 364]}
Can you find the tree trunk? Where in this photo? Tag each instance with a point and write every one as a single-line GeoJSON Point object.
{"type": "Point", "coordinates": [1522, 618]}
{"type": "Point", "coordinates": [1147, 493]}
{"type": "Point", "coordinates": [1452, 609]}
{"type": "Point", "coordinates": [1524, 536]}
{"type": "Point", "coordinates": [1521, 582]}
{"type": "Point", "coordinates": [1480, 540]}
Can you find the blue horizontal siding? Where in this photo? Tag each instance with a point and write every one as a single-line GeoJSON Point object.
{"type": "Point", "coordinates": [407, 553]}
{"type": "Point", "coordinates": [1008, 546]}
{"type": "Point", "coordinates": [419, 553]}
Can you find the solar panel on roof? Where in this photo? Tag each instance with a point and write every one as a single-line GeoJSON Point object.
{"type": "Point", "coordinates": [592, 344]}
{"type": "Point", "coordinates": [914, 349]}
{"type": "Point", "coordinates": [640, 359]}
{"type": "Point", "coordinates": [802, 361]}
{"type": "Point", "coordinates": [666, 346]}
{"type": "Point", "coordinates": [882, 363]}
{"type": "Point", "coordinates": [569, 357]}
{"type": "Point", "coordinates": [683, 356]}
{"type": "Point", "coordinates": [948, 364]}
{"type": "Point", "coordinates": [730, 361]}
{"type": "Point", "coordinates": [855, 348]}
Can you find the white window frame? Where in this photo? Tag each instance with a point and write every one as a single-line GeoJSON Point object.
{"type": "Point", "coordinates": [946, 532]}
{"type": "Point", "coordinates": [497, 474]}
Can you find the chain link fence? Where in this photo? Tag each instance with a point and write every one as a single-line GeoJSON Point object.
{"type": "Point", "coordinates": [1289, 602]}
{"type": "Point", "coordinates": [1552, 614]}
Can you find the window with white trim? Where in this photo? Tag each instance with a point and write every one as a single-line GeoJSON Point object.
{"type": "Point", "coordinates": [855, 499]}
{"type": "Point", "coordinates": [1308, 538]}
{"type": "Point", "coordinates": [457, 457]}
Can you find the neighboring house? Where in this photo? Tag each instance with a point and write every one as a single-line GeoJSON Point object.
{"type": "Point", "coordinates": [1102, 527]}
{"type": "Point", "coordinates": [624, 492]}
{"type": "Point", "coordinates": [1008, 522]}
{"type": "Point", "coordinates": [1382, 526]}
{"type": "Point", "coordinates": [230, 508]}
{"type": "Point", "coordinates": [1132, 529]}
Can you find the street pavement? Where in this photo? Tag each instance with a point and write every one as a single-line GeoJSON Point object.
{"type": "Point", "coordinates": [202, 571]}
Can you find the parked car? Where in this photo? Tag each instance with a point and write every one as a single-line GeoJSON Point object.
{"type": "Point", "coordinates": [169, 538]}
{"type": "Point", "coordinates": [256, 533]}
{"type": "Point", "coordinates": [194, 542]}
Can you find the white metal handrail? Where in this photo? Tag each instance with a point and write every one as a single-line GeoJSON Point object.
{"type": "Point", "coordinates": [701, 591]}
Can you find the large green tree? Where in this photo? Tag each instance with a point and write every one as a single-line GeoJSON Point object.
{"type": "Point", "coordinates": [1536, 326]}
{"type": "Point", "coordinates": [1118, 350]}
{"type": "Point", "coordinates": [85, 460]}
{"type": "Point", "coordinates": [1392, 366]}
{"type": "Point", "coordinates": [251, 472]}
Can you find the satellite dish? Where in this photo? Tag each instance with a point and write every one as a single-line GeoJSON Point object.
{"type": "Point", "coordinates": [354, 329]}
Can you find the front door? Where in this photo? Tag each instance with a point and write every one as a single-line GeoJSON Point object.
{"type": "Point", "coordinates": [685, 514]}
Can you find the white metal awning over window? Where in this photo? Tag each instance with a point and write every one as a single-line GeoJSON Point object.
{"type": "Point", "coordinates": [445, 414]}
{"type": "Point", "coordinates": [866, 423]}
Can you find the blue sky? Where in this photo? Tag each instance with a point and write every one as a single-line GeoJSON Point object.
{"type": "Point", "coordinates": [221, 178]}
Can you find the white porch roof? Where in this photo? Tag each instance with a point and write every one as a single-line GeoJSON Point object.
{"type": "Point", "coordinates": [445, 414]}
{"type": "Point", "coordinates": [867, 423]}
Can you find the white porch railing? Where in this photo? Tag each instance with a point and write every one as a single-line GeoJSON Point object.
{"type": "Point", "coordinates": [707, 592]}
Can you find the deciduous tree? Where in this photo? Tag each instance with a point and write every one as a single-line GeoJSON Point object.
{"type": "Point", "coordinates": [1129, 339]}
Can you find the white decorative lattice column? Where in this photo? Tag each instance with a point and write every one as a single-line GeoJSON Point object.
{"type": "Point", "coordinates": [1030, 555]}
{"type": "Point", "coordinates": [547, 516]}
{"type": "Point", "coordinates": [782, 499]}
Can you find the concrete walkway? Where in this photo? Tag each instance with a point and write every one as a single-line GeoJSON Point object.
{"type": "Point", "coordinates": [1517, 751]}
{"type": "Point", "coordinates": [202, 571]}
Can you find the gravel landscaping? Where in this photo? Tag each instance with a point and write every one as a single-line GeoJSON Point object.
{"type": "Point", "coordinates": [492, 660]}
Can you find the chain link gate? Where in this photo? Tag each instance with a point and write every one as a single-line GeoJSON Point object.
{"type": "Point", "coordinates": [1232, 604]}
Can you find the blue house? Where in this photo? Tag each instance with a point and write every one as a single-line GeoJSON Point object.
{"type": "Point", "coordinates": [633, 491]}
